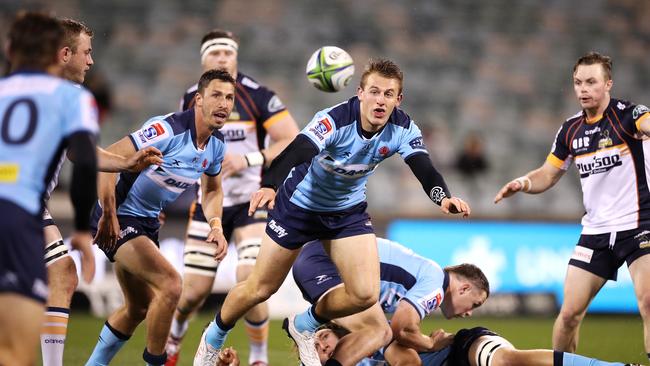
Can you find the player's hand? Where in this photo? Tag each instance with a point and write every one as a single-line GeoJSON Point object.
{"type": "Point", "coordinates": [455, 205]}
{"type": "Point", "coordinates": [509, 189]}
{"type": "Point", "coordinates": [233, 163]}
{"type": "Point", "coordinates": [441, 339]}
{"type": "Point", "coordinates": [83, 242]}
{"type": "Point", "coordinates": [108, 231]}
{"type": "Point", "coordinates": [143, 158]}
{"type": "Point", "coordinates": [260, 198]}
{"type": "Point", "coordinates": [216, 237]}
{"type": "Point", "coordinates": [228, 357]}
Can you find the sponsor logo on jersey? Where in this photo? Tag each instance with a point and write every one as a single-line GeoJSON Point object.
{"type": "Point", "coordinates": [173, 182]}
{"type": "Point", "coordinates": [205, 163]}
{"type": "Point", "coordinates": [279, 230]}
{"type": "Point", "coordinates": [580, 143]}
{"type": "Point", "coordinates": [153, 131]}
{"type": "Point", "coordinates": [232, 135]}
{"type": "Point", "coordinates": [348, 171]}
{"type": "Point", "coordinates": [605, 140]}
{"type": "Point", "coordinates": [431, 303]}
{"type": "Point", "coordinates": [582, 254]}
{"type": "Point", "coordinates": [384, 150]}
{"type": "Point", "coordinates": [620, 106]}
{"type": "Point", "coordinates": [322, 128]}
{"type": "Point", "coordinates": [639, 111]}
{"type": "Point", "coordinates": [250, 83]}
{"type": "Point", "coordinates": [275, 104]}
{"type": "Point", "coordinates": [598, 164]}
{"type": "Point", "coordinates": [417, 143]}
{"type": "Point", "coordinates": [178, 184]}
{"type": "Point", "coordinates": [592, 131]}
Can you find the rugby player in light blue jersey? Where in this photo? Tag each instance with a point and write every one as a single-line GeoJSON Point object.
{"type": "Point", "coordinates": [321, 183]}
{"type": "Point", "coordinates": [411, 287]}
{"type": "Point", "coordinates": [126, 217]}
{"type": "Point", "coordinates": [40, 116]}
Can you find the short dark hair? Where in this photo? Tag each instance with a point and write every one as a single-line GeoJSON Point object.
{"type": "Point", "coordinates": [34, 40]}
{"type": "Point", "coordinates": [471, 273]}
{"type": "Point", "coordinates": [385, 68]}
{"type": "Point", "coordinates": [593, 58]}
{"type": "Point", "coordinates": [218, 33]}
{"type": "Point", "coordinates": [214, 74]}
{"type": "Point", "coordinates": [73, 28]}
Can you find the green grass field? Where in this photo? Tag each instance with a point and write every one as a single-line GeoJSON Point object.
{"type": "Point", "coordinates": [613, 338]}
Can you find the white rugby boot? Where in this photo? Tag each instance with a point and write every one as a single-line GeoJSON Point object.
{"type": "Point", "coordinates": [304, 341]}
{"type": "Point", "coordinates": [206, 355]}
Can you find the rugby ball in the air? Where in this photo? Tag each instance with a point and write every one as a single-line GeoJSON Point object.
{"type": "Point", "coordinates": [330, 69]}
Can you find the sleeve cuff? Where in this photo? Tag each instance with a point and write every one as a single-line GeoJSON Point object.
{"type": "Point", "coordinates": [555, 161]}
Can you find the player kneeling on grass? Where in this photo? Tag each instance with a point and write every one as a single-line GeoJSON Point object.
{"type": "Point", "coordinates": [411, 288]}
{"type": "Point", "coordinates": [470, 347]}
{"type": "Point", "coordinates": [126, 220]}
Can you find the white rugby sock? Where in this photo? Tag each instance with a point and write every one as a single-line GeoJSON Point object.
{"type": "Point", "coordinates": [53, 335]}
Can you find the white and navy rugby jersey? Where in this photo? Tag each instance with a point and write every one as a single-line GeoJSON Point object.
{"type": "Point", "coordinates": [336, 178]}
{"type": "Point", "coordinates": [144, 194]}
{"type": "Point", "coordinates": [612, 157]}
{"type": "Point", "coordinates": [405, 275]}
{"type": "Point", "coordinates": [256, 109]}
{"type": "Point", "coordinates": [37, 114]}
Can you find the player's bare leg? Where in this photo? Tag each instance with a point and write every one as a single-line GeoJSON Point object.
{"type": "Point", "coordinates": [357, 260]}
{"type": "Point", "coordinates": [271, 268]}
{"type": "Point", "coordinates": [62, 281]}
{"type": "Point", "coordinates": [151, 288]}
{"type": "Point", "coordinates": [19, 346]}
{"type": "Point", "coordinates": [248, 239]}
{"type": "Point", "coordinates": [369, 332]}
{"type": "Point", "coordinates": [639, 271]}
{"type": "Point", "coordinates": [580, 287]}
{"type": "Point", "coordinates": [398, 355]}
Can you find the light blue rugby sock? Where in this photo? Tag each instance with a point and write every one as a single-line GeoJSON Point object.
{"type": "Point", "coordinates": [109, 343]}
{"type": "Point", "coordinates": [217, 332]}
{"type": "Point", "coordinates": [570, 359]}
{"type": "Point", "coordinates": [306, 321]}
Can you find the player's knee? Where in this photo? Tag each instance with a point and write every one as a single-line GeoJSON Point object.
{"type": "Point", "coordinates": [172, 288]}
{"type": "Point", "coordinates": [137, 312]}
{"type": "Point", "coordinates": [644, 305]}
{"type": "Point", "coordinates": [363, 299]}
{"type": "Point", "coordinates": [508, 357]}
{"type": "Point", "coordinates": [386, 334]}
{"type": "Point", "coordinates": [570, 317]}
{"type": "Point", "coordinates": [410, 359]}
{"type": "Point", "coordinates": [192, 298]}
{"type": "Point", "coordinates": [63, 279]}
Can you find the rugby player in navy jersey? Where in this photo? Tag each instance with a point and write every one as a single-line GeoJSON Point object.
{"type": "Point", "coordinates": [256, 131]}
{"type": "Point", "coordinates": [41, 115]}
{"type": "Point", "coordinates": [75, 57]}
{"type": "Point", "coordinates": [320, 180]}
{"type": "Point", "coordinates": [126, 218]}
{"type": "Point", "coordinates": [608, 141]}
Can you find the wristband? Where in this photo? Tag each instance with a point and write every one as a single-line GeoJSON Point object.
{"type": "Point", "coordinates": [255, 158]}
{"type": "Point", "coordinates": [526, 183]}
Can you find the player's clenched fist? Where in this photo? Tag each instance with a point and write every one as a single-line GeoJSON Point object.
{"type": "Point", "coordinates": [216, 237]}
{"type": "Point", "coordinates": [455, 205]}
{"type": "Point", "coordinates": [262, 197]}
{"type": "Point", "coordinates": [228, 357]}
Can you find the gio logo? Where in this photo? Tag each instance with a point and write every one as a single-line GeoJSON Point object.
{"type": "Point", "coordinates": [279, 230]}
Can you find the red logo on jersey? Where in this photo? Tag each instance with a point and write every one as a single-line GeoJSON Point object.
{"type": "Point", "coordinates": [154, 130]}
{"type": "Point", "coordinates": [384, 150]}
{"type": "Point", "coordinates": [205, 163]}
{"type": "Point", "coordinates": [324, 126]}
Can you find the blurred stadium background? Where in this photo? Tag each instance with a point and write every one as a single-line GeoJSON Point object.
{"type": "Point", "coordinates": [488, 82]}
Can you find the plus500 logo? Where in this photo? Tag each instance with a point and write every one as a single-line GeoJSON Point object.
{"type": "Point", "coordinates": [598, 165]}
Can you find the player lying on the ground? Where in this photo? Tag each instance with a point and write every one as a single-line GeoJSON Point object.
{"type": "Point", "coordinates": [411, 287]}
{"type": "Point", "coordinates": [471, 347]}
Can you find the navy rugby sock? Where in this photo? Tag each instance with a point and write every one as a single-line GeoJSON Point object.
{"type": "Point", "coordinates": [332, 362]}
{"type": "Point", "coordinates": [154, 360]}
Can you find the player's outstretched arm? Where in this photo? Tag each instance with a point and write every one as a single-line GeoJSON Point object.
{"type": "Point", "coordinates": [536, 181]}
{"type": "Point", "coordinates": [111, 162]}
{"type": "Point", "coordinates": [212, 192]}
{"type": "Point", "coordinates": [434, 185]}
{"type": "Point", "coordinates": [82, 193]}
{"type": "Point", "coordinates": [108, 228]}
{"type": "Point", "coordinates": [643, 124]}
{"type": "Point", "coordinates": [405, 324]}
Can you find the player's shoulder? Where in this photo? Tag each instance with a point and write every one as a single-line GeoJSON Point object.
{"type": "Point", "coordinates": [176, 123]}
{"type": "Point", "coordinates": [192, 89]}
{"type": "Point", "coordinates": [250, 84]}
{"type": "Point", "coordinates": [219, 136]}
{"type": "Point", "coordinates": [627, 107]}
{"type": "Point", "coordinates": [344, 113]}
{"type": "Point", "coordinates": [400, 118]}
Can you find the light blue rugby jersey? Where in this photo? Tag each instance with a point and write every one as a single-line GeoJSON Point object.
{"type": "Point", "coordinates": [37, 113]}
{"type": "Point", "coordinates": [336, 178]}
{"type": "Point", "coordinates": [146, 193]}
{"type": "Point", "coordinates": [405, 275]}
